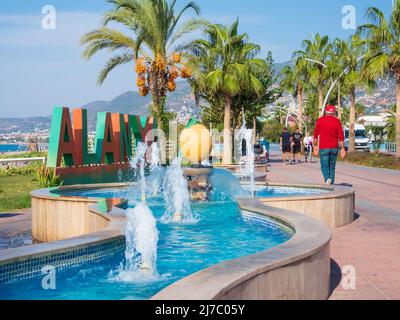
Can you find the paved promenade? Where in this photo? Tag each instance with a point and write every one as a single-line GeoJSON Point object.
{"type": "Point", "coordinates": [372, 243]}
{"type": "Point", "coordinates": [15, 229]}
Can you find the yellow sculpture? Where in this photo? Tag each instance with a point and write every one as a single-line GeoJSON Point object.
{"type": "Point", "coordinates": [195, 143]}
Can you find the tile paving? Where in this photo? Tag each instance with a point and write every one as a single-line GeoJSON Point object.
{"type": "Point", "coordinates": [372, 243]}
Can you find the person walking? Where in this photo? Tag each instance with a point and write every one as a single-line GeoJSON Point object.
{"type": "Point", "coordinates": [328, 135]}
{"type": "Point", "coordinates": [265, 148]}
{"type": "Point", "coordinates": [308, 147]}
{"type": "Point", "coordinates": [297, 139]}
{"type": "Point", "coordinates": [285, 144]}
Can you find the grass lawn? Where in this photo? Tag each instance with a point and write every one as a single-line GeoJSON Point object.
{"type": "Point", "coordinates": [14, 191]}
{"type": "Point", "coordinates": [13, 155]}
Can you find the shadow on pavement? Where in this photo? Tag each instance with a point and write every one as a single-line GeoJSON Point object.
{"type": "Point", "coordinates": [336, 276]}
{"type": "Point", "coordinates": [8, 215]}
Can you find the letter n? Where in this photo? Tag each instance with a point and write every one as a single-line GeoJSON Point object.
{"type": "Point", "coordinates": [61, 143]}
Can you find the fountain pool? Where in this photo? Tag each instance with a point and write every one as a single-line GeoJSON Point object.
{"type": "Point", "coordinates": [222, 233]}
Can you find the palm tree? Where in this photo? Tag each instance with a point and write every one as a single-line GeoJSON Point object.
{"type": "Point", "coordinates": [360, 110]}
{"type": "Point", "coordinates": [383, 40]}
{"type": "Point", "coordinates": [350, 53]}
{"type": "Point", "coordinates": [319, 50]}
{"type": "Point", "coordinates": [294, 81]}
{"type": "Point", "coordinates": [155, 28]}
{"type": "Point", "coordinates": [391, 124]}
{"type": "Point", "coordinates": [336, 68]}
{"type": "Point", "coordinates": [224, 65]}
{"type": "Point", "coordinates": [253, 104]}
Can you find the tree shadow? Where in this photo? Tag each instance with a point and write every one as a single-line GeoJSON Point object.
{"type": "Point", "coordinates": [345, 185]}
{"type": "Point", "coordinates": [336, 276]}
{"type": "Point", "coordinates": [8, 215]}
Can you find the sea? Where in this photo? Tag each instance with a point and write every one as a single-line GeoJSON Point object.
{"type": "Point", "coordinates": [4, 148]}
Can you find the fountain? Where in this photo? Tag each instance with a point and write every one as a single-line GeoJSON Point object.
{"type": "Point", "coordinates": [246, 135]}
{"type": "Point", "coordinates": [176, 195]}
{"type": "Point", "coordinates": [141, 231]}
{"type": "Point", "coordinates": [141, 246]}
{"type": "Point", "coordinates": [139, 161]}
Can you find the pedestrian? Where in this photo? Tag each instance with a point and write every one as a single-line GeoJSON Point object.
{"type": "Point", "coordinates": [266, 148]}
{"type": "Point", "coordinates": [308, 147]}
{"type": "Point", "coordinates": [297, 140]}
{"type": "Point", "coordinates": [328, 135]}
{"type": "Point", "coordinates": [285, 143]}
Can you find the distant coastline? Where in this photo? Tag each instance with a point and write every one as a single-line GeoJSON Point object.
{"type": "Point", "coordinates": [13, 147]}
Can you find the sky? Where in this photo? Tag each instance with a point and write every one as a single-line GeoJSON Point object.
{"type": "Point", "coordinates": [40, 68]}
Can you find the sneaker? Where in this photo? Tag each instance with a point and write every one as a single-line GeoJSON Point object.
{"type": "Point", "coordinates": [328, 182]}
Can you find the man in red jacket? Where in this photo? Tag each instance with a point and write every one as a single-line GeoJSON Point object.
{"type": "Point", "coordinates": [328, 135]}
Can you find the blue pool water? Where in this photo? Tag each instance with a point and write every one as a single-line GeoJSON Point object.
{"type": "Point", "coordinates": [278, 192]}
{"type": "Point", "coordinates": [221, 234]}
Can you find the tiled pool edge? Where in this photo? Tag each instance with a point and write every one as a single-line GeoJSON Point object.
{"type": "Point", "coordinates": [27, 262]}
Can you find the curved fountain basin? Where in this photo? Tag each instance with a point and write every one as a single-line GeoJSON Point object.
{"type": "Point", "coordinates": [221, 234]}
{"type": "Point", "coordinates": [261, 191]}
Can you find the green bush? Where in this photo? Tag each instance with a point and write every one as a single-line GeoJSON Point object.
{"type": "Point", "coordinates": [48, 178]}
{"type": "Point", "coordinates": [24, 170]}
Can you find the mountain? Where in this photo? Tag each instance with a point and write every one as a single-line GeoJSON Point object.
{"type": "Point", "coordinates": [181, 101]}
{"type": "Point", "coordinates": [278, 66]}
{"type": "Point", "coordinates": [24, 125]}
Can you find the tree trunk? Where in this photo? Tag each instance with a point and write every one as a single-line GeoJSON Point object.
{"type": "Point", "coordinates": [300, 102]}
{"type": "Point", "coordinates": [227, 159]}
{"type": "Point", "coordinates": [321, 100]}
{"type": "Point", "coordinates": [352, 133]}
{"type": "Point", "coordinates": [156, 112]}
{"type": "Point", "coordinates": [398, 115]}
{"type": "Point", "coordinates": [339, 103]}
{"type": "Point", "coordinates": [158, 89]}
{"type": "Point", "coordinates": [254, 129]}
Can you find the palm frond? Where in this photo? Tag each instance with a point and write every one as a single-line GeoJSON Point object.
{"type": "Point", "coordinates": [188, 27]}
{"type": "Point", "coordinates": [112, 64]}
{"type": "Point", "coordinates": [105, 38]}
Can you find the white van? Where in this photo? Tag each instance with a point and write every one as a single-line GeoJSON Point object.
{"type": "Point", "coordinates": [362, 141]}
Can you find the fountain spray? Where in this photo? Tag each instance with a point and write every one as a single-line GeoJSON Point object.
{"type": "Point", "coordinates": [249, 160]}
{"type": "Point", "coordinates": [176, 195]}
{"type": "Point", "coordinates": [141, 231]}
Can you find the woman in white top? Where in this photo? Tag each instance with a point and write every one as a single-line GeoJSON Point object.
{"type": "Point", "coordinates": [308, 147]}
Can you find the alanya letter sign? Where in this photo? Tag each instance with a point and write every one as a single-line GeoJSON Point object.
{"type": "Point", "coordinates": [116, 134]}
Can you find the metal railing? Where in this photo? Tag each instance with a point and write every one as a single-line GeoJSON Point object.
{"type": "Point", "coordinates": [22, 160]}
{"type": "Point", "coordinates": [389, 147]}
